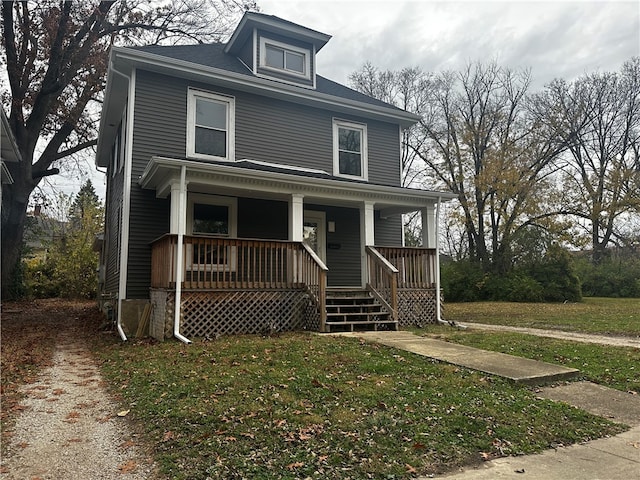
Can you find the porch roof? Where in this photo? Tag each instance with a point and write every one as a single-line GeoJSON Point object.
{"type": "Point", "coordinates": [250, 178]}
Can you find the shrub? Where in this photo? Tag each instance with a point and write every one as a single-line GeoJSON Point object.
{"type": "Point", "coordinates": [461, 281]}
{"type": "Point", "coordinates": [614, 277]}
{"type": "Point", "coordinates": [551, 278]}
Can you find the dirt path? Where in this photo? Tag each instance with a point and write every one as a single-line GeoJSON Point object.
{"type": "Point", "coordinates": [616, 341]}
{"type": "Point", "coordinates": [69, 428]}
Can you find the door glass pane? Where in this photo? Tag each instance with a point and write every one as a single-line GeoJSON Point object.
{"type": "Point", "coordinates": [212, 219]}
{"type": "Point", "coordinates": [310, 235]}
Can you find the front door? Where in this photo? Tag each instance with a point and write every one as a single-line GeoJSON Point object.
{"type": "Point", "coordinates": [314, 233]}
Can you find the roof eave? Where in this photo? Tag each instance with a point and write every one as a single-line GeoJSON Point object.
{"type": "Point", "coordinates": [150, 180]}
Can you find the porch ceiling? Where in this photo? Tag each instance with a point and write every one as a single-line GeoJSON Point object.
{"type": "Point", "coordinates": [238, 179]}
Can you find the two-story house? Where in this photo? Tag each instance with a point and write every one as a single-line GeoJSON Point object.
{"type": "Point", "coordinates": [246, 193]}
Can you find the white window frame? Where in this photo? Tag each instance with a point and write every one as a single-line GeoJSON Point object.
{"type": "Point", "coordinates": [232, 204]}
{"type": "Point", "coordinates": [364, 170]}
{"type": "Point", "coordinates": [286, 47]}
{"type": "Point", "coordinates": [230, 103]}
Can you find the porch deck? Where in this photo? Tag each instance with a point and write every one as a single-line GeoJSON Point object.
{"type": "Point", "coordinates": [234, 286]}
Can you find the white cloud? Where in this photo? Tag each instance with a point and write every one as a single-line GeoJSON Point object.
{"type": "Point", "coordinates": [554, 39]}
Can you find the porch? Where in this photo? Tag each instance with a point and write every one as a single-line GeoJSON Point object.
{"type": "Point", "coordinates": [230, 286]}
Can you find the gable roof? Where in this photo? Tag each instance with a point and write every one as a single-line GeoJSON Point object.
{"type": "Point", "coordinates": [273, 24]}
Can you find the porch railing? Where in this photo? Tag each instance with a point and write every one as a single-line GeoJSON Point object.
{"type": "Point", "coordinates": [226, 263]}
{"type": "Point", "coordinates": [416, 266]}
{"type": "Point", "coordinates": [383, 280]}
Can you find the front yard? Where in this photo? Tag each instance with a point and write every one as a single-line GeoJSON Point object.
{"type": "Point", "coordinates": [613, 316]}
{"type": "Point", "coordinates": [309, 406]}
{"type": "Point", "coordinates": [301, 405]}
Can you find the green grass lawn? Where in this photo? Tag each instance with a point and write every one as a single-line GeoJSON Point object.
{"type": "Point", "coordinates": [615, 367]}
{"type": "Point", "coordinates": [619, 316]}
{"type": "Point", "coordinates": [308, 406]}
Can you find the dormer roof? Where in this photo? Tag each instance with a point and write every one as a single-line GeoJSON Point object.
{"type": "Point", "coordinates": [276, 25]}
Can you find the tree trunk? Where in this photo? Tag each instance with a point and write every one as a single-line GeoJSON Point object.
{"type": "Point", "coordinates": [15, 199]}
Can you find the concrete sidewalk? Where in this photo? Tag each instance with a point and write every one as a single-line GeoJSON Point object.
{"type": "Point", "coordinates": [518, 369]}
{"type": "Point", "coordinates": [614, 458]}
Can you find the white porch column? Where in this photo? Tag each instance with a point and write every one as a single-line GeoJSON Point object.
{"type": "Point", "coordinates": [368, 224]}
{"type": "Point", "coordinates": [428, 226]}
{"type": "Point", "coordinates": [296, 217]}
{"type": "Point", "coordinates": [367, 238]}
{"type": "Point", "coordinates": [178, 209]}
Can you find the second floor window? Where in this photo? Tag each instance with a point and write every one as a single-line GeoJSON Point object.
{"type": "Point", "coordinates": [286, 58]}
{"type": "Point", "coordinates": [350, 150]}
{"type": "Point", "coordinates": [210, 125]}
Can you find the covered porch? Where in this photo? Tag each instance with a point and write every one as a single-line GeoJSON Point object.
{"type": "Point", "coordinates": [334, 239]}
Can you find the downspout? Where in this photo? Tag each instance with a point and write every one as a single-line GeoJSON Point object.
{"type": "Point", "coordinates": [438, 299]}
{"type": "Point", "coordinates": [126, 199]}
{"type": "Point", "coordinates": [438, 310]}
{"type": "Point", "coordinates": [180, 256]}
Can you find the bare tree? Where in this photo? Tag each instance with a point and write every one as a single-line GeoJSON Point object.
{"type": "Point", "coordinates": [598, 117]}
{"type": "Point", "coordinates": [482, 144]}
{"type": "Point", "coordinates": [56, 60]}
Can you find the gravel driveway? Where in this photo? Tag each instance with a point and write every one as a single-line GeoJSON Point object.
{"type": "Point", "coordinates": [70, 429]}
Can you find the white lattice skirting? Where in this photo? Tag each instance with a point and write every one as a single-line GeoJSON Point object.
{"type": "Point", "coordinates": [207, 314]}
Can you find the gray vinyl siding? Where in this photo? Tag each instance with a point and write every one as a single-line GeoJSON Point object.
{"type": "Point", "coordinates": [246, 53]}
{"type": "Point", "coordinates": [388, 231]}
{"type": "Point", "coordinates": [159, 129]}
{"type": "Point", "coordinates": [267, 129]}
{"type": "Point", "coordinates": [113, 212]}
{"type": "Point", "coordinates": [263, 219]}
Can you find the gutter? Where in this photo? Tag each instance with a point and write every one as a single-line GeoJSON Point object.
{"type": "Point", "coordinates": [182, 202]}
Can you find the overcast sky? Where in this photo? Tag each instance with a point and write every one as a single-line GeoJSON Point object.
{"type": "Point", "coordinates": [554, 39]}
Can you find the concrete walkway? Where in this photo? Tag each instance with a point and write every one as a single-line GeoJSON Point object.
{"type": "Point", "coordinates": [518, 369]}
{"type": "Point", "coordinates": [614, 458]}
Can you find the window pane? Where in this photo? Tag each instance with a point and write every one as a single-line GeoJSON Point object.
{"type": "Point", "coordinates": [274, 57]}
{"type": "Point", "coordinates": [295, 62]}
{"type": "Point", "coordinates": [211, 114]}
{"type": "Point", "coordinates": [210, 219]}
{"type": "Point", "coordinates": [350, 164]}
{"type": "Point", "coordinates": [211, 142]}
{"type": "Point", "coordinates": [349, 140]}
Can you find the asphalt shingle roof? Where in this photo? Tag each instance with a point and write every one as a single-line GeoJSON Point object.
{"type": "Point", "coordinates": [213, 55]}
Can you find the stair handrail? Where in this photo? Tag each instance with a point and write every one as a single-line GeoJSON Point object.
{"type": "Point", "coordinates": [319, 298]}
{"type": "Point", "coordinates": [383, 280]}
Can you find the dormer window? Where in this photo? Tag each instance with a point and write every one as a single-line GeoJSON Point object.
{"type": "Point", "coordinates": [284, 58]}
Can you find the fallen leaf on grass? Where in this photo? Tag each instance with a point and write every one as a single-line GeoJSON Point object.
{"type": "Point", "coordinates": [293, 466]}
{"type": "Point", "coordinates": [410, 469]}
{"type": "Point", "coordinates": [123, 413]}
{"type": "Point", "coordinates": [168, 436]}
